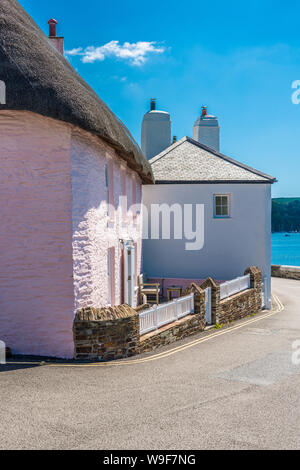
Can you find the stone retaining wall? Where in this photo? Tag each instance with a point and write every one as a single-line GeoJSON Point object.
{"type": "Point", "coordinates": [113, 333]}
{"type": "Point", "coordinates": [286, 272]}
{"type": "Point", "coordinates": [168, 334]}
{"type": "Point", "coordinates": [106, 334]}
{"type": "Point", "coordinates": [180, 329]}
{"type": "Point", "coordinates": [239, 305]}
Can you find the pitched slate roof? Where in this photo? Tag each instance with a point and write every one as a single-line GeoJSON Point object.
{"type": "Point", "coordinates": [39, 79]}
{"type": "Point", "coordinates": [188, 161]}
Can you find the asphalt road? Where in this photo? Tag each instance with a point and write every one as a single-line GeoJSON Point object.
{"type": "Point", "coordinates": [238, 390]}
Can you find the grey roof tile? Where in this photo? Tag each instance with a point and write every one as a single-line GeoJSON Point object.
{"type": "Point", "coordinates": [189, 161]}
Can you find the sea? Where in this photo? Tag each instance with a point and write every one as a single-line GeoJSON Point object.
{"type": "Point", "coordinates": [286, 249]}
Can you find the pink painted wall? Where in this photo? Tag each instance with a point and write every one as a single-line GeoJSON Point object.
{"type": "Point", "coordinates": [58, 43]}
{"type": "Point", "coordinates": [55, 235]}
{"type": "Point", "coordinates": [94, 233]}
{"type": "Point", "coordinates": [36, 289]}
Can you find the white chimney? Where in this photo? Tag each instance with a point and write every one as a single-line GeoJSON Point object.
{"type": "Point", "coordinates": [207, 131]}
{"type": "Point", "coordinates": [156, 131]}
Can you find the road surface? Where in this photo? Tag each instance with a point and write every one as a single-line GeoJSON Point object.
{"type": "Point", "coordinates": [238, 390]}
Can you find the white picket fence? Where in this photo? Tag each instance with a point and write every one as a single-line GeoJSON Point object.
{"type": "Point", "coordinates": [234, 286]}
{"type": "Point", "coordinates": [163, 314]}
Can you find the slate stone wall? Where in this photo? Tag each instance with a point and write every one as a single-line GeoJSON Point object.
{"type": "Point", "coordinates": [113, 333]}
{"type": "Point", "coordinates": [106, 334]}
{"type": "Point", "coordinates": [239, 305]}
{"type": "Point", "coordinates": [286, 272]}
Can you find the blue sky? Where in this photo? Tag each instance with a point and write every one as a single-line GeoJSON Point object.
{"type": "Point", "coordinates": [238, 58]}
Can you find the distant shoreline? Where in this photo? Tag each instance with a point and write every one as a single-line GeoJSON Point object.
{"type": "Point", "coordinates": [286, 215]}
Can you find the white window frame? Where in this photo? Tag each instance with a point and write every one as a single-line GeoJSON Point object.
{"type": "Point", "coordinates": [107, 186]}
{"type": "Point", "coordinates": [109, 296]}
{"type": "Point", "coordinates": [229, 197]}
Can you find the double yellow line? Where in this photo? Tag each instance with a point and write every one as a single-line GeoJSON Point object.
{"type": "Point", "coordinates": [279, 308]}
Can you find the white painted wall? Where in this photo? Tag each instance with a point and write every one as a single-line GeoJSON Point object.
{"type": "Point", "coordinates": [209, 136]}
{"type": "Point", "coordinates": [93, 233]}
{"type": "Point", "coordinates": [230, 245]}
{"type": "Point", "coordinates": [54, 233]}
{"type": "Point", "coordinates": [206, 130]}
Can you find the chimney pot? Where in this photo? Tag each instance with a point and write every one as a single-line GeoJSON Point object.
{"type": "Point", "coordinates": [153, 104]}
{"type": "Point", "coordinates": [204, 110]}
{"type": "Point", "coordinates": [174, 139]}
{"type": "Point", "coordinates": [52, 27]}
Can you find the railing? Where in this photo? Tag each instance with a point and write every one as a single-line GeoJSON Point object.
{"type": "Point", "coordinates": [161, 315]}
{"type": "Point", "coordinates": [233, 287]}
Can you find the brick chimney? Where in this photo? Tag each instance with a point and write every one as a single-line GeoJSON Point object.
{"type": "Point", "coordinates": [58, 42]}
{"type": "Point", "coordinates": [174, 139]}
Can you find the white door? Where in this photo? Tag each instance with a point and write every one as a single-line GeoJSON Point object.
{"type": "Point", "coordinates": [208, 305]}
{"type": "Point", "coordinates": [129, 273]}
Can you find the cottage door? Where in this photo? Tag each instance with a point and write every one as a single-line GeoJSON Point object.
{"type": "Point", "coordinates": [129, 271]}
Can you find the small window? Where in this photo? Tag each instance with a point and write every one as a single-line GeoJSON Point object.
{"type": "Point", "coordinates": [221, 205]}
{"type": "Point", "coordinates": [107, 187]}
{"type": "Point", "coordinates": [111, 276]}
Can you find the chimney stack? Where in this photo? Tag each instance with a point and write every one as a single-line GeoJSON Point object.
{"type": "Point", "coordinates": [58, 42]}
{"type": "Point", "coordinates": [156, 131]}
{"type": "Point", "coordinates": [207, 130]}
{"type": "Point", "coordinates": [174, 139]}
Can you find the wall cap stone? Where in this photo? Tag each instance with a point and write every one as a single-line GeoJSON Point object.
{"type": "Point", "coordinates": [209, 282]}
{"type": "Point", "coordinates": [105, 314]}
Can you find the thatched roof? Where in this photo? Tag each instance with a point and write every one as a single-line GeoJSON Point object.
{"type": "Point", "coordinates": [39, 79]}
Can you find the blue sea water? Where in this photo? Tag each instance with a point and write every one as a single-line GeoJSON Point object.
{"type": "Point", "coordinates": [286, 250]}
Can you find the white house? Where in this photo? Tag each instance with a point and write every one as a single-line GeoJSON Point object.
{"type": "Point", "coordinates": [231, 206]}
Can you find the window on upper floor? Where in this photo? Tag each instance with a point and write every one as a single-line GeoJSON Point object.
{"type": "Point", "coordinates": [111, 276]}
{"type": "Point", "coordinates": [109, 189]}
{"type": "Point", "coordinates": [222, 206]}
{"type": "Point", "coordinates": [107, 184]}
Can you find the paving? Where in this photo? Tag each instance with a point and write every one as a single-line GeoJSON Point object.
{"type": "Point", "coordinates": [235, 390]}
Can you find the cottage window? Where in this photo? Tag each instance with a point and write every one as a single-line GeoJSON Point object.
{"type": "Point", "coordinates": [107, 187]}
{"type": "Point", "coordinates": [134, 208]}
{"type": "Point", "coordinates": [221, 205]}
{"type": "Point", "coordinates": [111, 276]}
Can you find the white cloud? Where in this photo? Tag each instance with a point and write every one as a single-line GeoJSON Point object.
{"type": "Point", "coordinates": [136, 53]}
{"type": "Point", "coordinates": [73, 52]}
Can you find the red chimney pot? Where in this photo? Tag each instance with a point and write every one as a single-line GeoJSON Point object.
{"type": "Point", "coordinates": [52, 27]}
